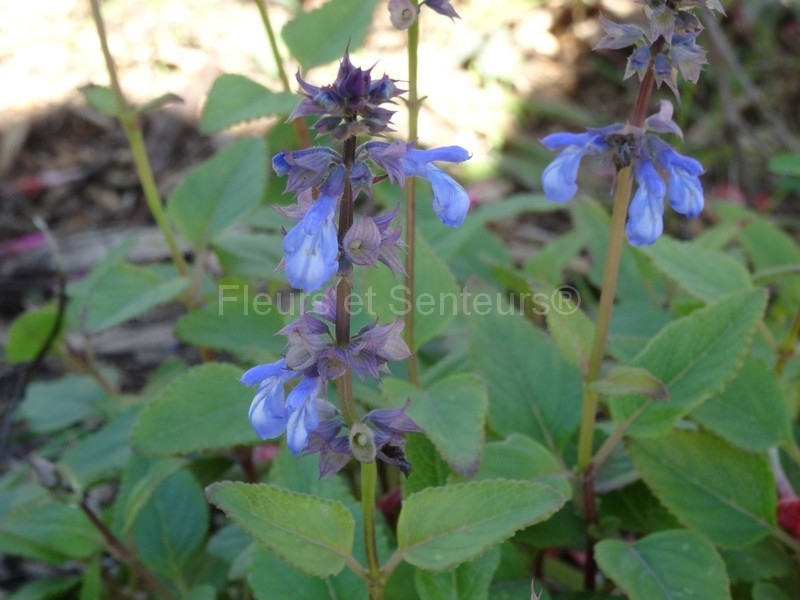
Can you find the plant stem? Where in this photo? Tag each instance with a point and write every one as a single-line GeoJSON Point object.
{"type": "Point", "coordinates": [130, 125]}
{"type": "Point", "coordinates": [121, 551]}
{"type": "Point", "coordinates": [344, 288]}
{"type": "Point", "coordinates": [786, 348]}
{"type": "Point", "coordinates": [413, 121]}
{"type": "Point", "coordinates": [299, 125]}
{"type": "Point", "coordinates": [369, 476]}
{"type": "Point", "coordinates": [619, 212]}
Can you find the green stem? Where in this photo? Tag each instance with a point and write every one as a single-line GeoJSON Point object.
{"type": "Point", "coordinates": [299, 125]}
{"type": "Point", "coordinates": [786, 348]}
{"type": "Point", "coordinates": [613, 253]}
{"type": "Point", "coordinates": [413, 121]}
{"type": "Point", "coordinates": [369, 477]}
{"type": "Point", "coordinates": [130, 124]}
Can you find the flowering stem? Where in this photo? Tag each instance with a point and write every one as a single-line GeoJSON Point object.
{"type": "Point", "coordinates": [413, 119]}
{"type": "Point", "coordinates": [369, 476]}
{"type": "Point", "coordinates": [344, 288]}
{"type": "Point", "coordinates": [299, 125]}
{"type": "Point", "coordinates": [130, 124]}
{"type": "Point", "coordinates": [619, 211]}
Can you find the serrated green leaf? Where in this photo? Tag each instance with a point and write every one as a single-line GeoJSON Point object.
{"type": "Point", "coordinates": [202, 409]}
{"type": "Point", "coordinates": [532, 389]}
{"type": "Point", "coordinates": [53, 405]}
{"type": "Point", "coordinates": [140, 480]}
{"type": "Point", "coordinates": [438, 296]}
{"type": "Point", "coordinates": [334, 27]}
{"type": "Point", "coordinates": [623, 381]}
{"type": "Point", "coordinates": [636, 509]}
{"type": "Point", "coordinates": [52, 533]}
{"type": "Point", "coordinates": [519, 457]}
{"type": "Point", "coordinates": [235, 99]}
{"type": "Point", "coordinates": [468, 581]}
{"type": "Point", "coordinates": [201, 592]}
{"type": "Point", "coordinates": [429, 468]}
{"type": "Point", "coordinates": [571, 331]}
{"type": "Point", "coordinates": [707, 274]}
{"type": "Point", "coordinates": [102, 453]}
{"type": "Point", "coordinates": [750, 412]}
{"type": "Point", "coordinates": [668, 565]}
{"type": "Point", "coordinates": [102, 98]}
{"type": "Point", "coordinates": [713, 488]}
{"type": "Point", "coordinates": [220, 191]}
{"type": "Point", "coordinates": [28, 333]}
{"type": "Point", "coordinates": [172, 526]}
{"type": "Point", "coordinates": [694, 356]}
{"type": "Point", "coordinates": [253, 254]}
{"type": "Point", "coordinates": [764, 560]}
{"type": "Point", "coordinates": [125, 292]}
{"type": "Point", "coordinates": [240, 321]}
{"type": "Point", "coordinates": [452, 412]}
{"type": "Point", "coordinates": [313, 535]}
{"type": "Point", "coordinates": [439, 528]}
{"type": "Point", "coordinates": [271, 578]}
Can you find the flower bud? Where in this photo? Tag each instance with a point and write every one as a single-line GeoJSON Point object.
{"type": "Point", "coordinates": [362, 443]}
{"type": "Point", "coordinates": [402, 13]}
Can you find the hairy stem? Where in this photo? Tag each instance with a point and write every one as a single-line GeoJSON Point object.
{"type": "Point", "coordinates": [413, 120]}
{"type": "Point", "coordinates": [369, 476]}
{"type": "Point", "coordinates": [299, 125]}
{"type": "Point", "coordinates": [130, 124]}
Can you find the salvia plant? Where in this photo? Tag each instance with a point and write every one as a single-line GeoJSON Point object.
{"type": "Point", "coordinates": [376, 401]}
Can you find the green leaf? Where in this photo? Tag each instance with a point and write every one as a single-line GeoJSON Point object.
{"type": "Point", "coordinates": [763, 590]}
{"type": "Point", "coordinates": [312, 534]}
{"type": "Point", "coordinates": [438, 296]}
{"type": "Point", "coordinates": [624, 381]}
{"type": "Point", "coordinates": [91, 581]}
{"type": "Point", "coordinates": [519, 457]}
{"type": "Point", "coordinates": [28, 333]}
{"type": "Point", "coordinates": [694, 356]}
{"type": "Point", "coordinates": [55, 405]}
{"type": "Point", "coordinates": [429, 468]}
{"type": "Point", "coordinates": [469, 581]}
{"type": "Point", "coordinates": [204, 408]}
{"type": "Point", "coordinates": [125, 292]}
{"type": "Point", "coordinates": [201, 592]}
{"type": "Point", "coordinates": [666, 565]}
{"type": "Point", "coordinates": [250, 254]}
{"type": "Point", "coordinates": [235, 98]}
{"type": "Point", "coordinates": [140, 480]}
{"type": "Point", "coordinates": [102, 98]}
{"type": "Point", "coordinates": [172, 526]}
{"type": "Point", "coordinates": [271, 578]}
{"type": "Point", "coordinates": [713, 488]}
{"type": "Point", "coordinates": [52, 533]}
{"type": "Point", "coordinates": [635, 509]}
{"type": "Point", "coordinates": [335, 27]}
{"type": "Point", "coordinates": [102, 453]}
{"type": "Point", "coordinates": [239, 321]}
{"type": "Point", "coordinates": [220, 192]}
{"type": "Point", "coordinates": [442, 527]}
{"type": "Point", "coordinates": [158, 102]}
{"type": "Point", "coordinates": [750, 412]}
{"type": "Point", "coordinates": [707, 274]}
{"type": "Point", "coordinates": [532, 389]}
{"type": "Point", "coordinates": [785, 163]}
{"type": "Point", "coordinates": [550, 261]}
{"type": "Point", "coordinates": [452, 412]}
{"type": "Point", "coordinates": [48, 588]}
{"type": "Point", "coordinates": [764, 560]}
{"type": "Point", "coordinates": [571, 330]}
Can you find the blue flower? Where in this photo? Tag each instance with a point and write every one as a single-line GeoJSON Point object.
{"type": "Point", "coordinates": [311, 248]}
{"type": "Point", "coordinates": [450, 200]}
{"type": "Point", "coordinates": [559, 179]}
{"type": "Point", "coordinates": [645, 213]}
{"type": "Point", "coordinates": [443, 7]}
{"type": "Point", "coordinates": [267, 408]}
{"type": "Point", "coordinates": [302, 416]}
{"type": "Point", "coordinates": [685, 193]}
